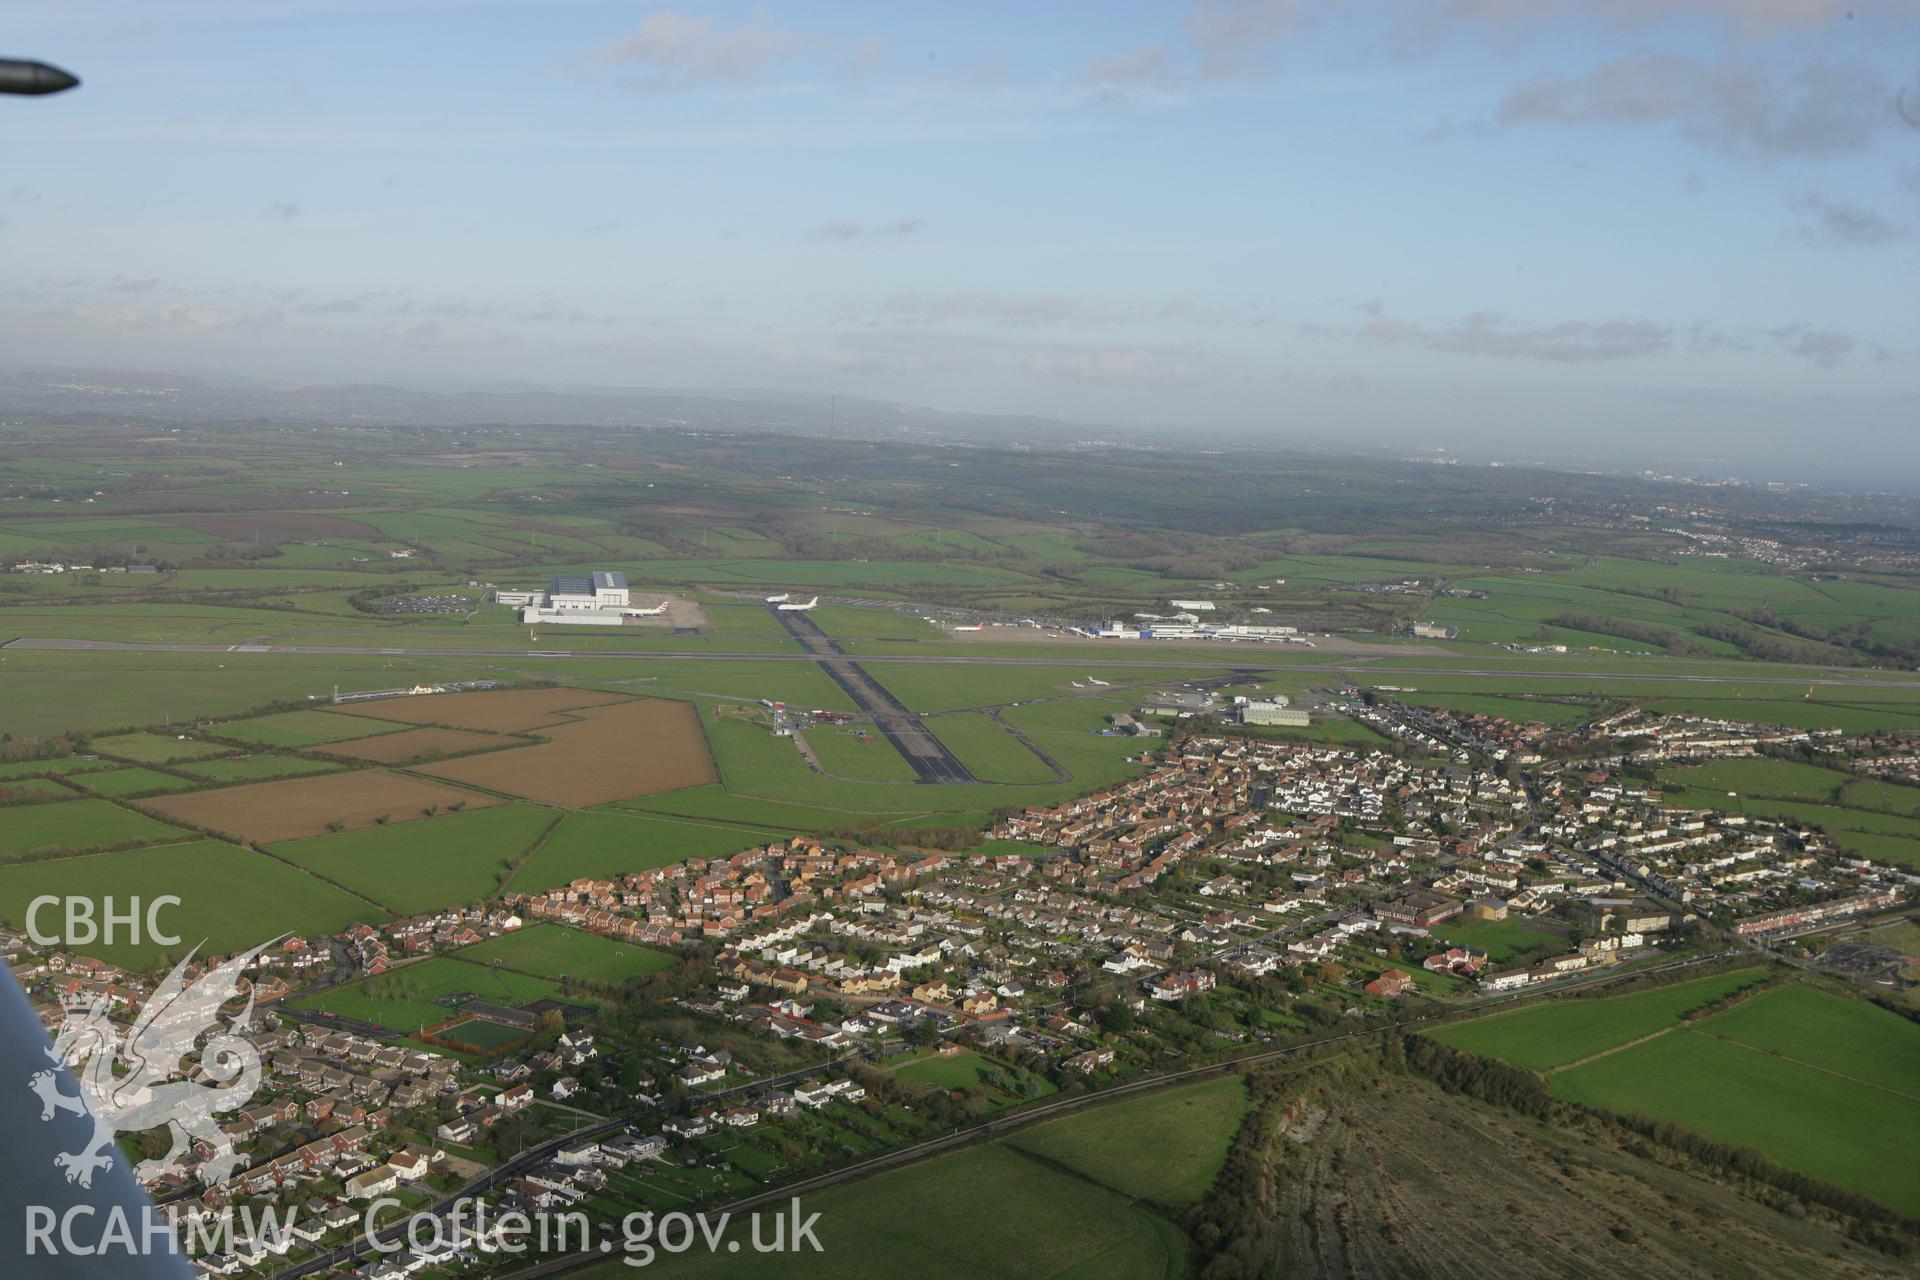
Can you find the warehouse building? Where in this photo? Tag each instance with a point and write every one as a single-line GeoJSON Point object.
{"type": "Point", "coordinates": [594, 600]}
{"type": "Point", "coordinates": [1273, 711]}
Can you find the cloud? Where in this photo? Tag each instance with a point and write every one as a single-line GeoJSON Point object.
{"type": "Point", "coordinates": [1827, 348]}
{"type": "Point", "coordinates": [1486, 333]}
{"type": "Point", "coordinates": [1751, 17]}
{"type": "Point", "coordinates": [281, 211]}
{"type": "Point", "coordinates": [1741, 109]}
{"type": "Point", "coordinates": [341, 306]}
{"type": "Point", "coordinates": [553, 311]}
{"type": "Point", "coordinates": [1126, 365]}
{"type": "Point", "coordinates": [854, 229]}
{"type": "Point", "coordinates": [1225, 31]}
{"type": "Point", "coordinates": [121, 284]}
{"type": "Point", "coordinates": [674, 50]}
{"type": "Point", "coordinates": [1011, 310]}
{"type": "Point", "coordinates": [1003, 309]}
{"type": "Point", "coordinates": [1149, 66]}
{"type": "Point", "coordinates": [1837, 222]}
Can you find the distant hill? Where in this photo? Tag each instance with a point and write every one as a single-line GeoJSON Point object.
{"type": "Point", "coordinates": [181, 397]}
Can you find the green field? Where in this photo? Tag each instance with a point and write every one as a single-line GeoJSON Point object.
{"type": "Point", "coordinates": [232, 897]}
{"type": "Point", "coordinates": [133, 782]}
{"type": "Point", "coordinates": [857, 753]}
{"type": "Point", "coordinates": [403, 1000]}
{"type": "Point", "coordinates": [484, 1036]}
{"type": "Point", "coordinates": [1820, 1082]}
{"type": "Point", "coordinates": [602, 845]}
{"type": "Point", "coordinates": [1500, 939]}
{"type": "Point", "coordinates": [73, 826]}
{"type": "Point", "coordinates": [62, 765]}
{"type": "Point", "coordinates": [1830, 1032]}
{"type": "Point", "coordinates": [987, 1211]}
{"type": "Point", "coordinates": [16, 789]}
{"type": "Point", "coordinates": [554, 951]}
{"type": "Point", "coordinates": [156, 748]}
{"type": "Point", "coordinates": [969, 1070]}
{"type": "Point", "coordinates": [258, 768]}
{"type": "Point", "coordinates": [958, 688]}
{"type": "Point", "coordinates": [1555, 1032]}
{"type": "Point", "coordinates": [1834, 1128]}
{"type": "Point", "coordinates": [989, 752]}
{"type": "Point", "coordinates": [1167, 1147]}
{"type": "Point", "coordinates": [455, 859]}
{"type": "Point", "coordinates": [755, 764]}
{"type": "Point", "coordinates": [1780, 779]}
{"type": "Point", "coordinates": [850, 623]}
{"type": "Point", "coordinates": [955, 1071]}
{"type": "Point", "coordinates": [719, 804]}
{"type": "Point", "coordinates": [1881, 796]}
{"type": "Point", "coordinates": [302, 728]}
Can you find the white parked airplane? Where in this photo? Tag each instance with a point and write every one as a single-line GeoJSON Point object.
{"type": "Point", "coordinates": [1097, 683]}
{"type": "Point", "coordinates": [654, 612]}
{"type": "Point", "coordinates": [782, 598]}
{"type": "Point", "coordinates": [798, 608]}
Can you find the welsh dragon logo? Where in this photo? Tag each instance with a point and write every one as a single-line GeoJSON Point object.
{"type": "Point", "coordinates": [128, 1080]}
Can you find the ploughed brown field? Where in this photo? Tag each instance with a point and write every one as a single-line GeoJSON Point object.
{"type": "Point", "coordinates": [633, 747]}
{"type": "Point", "coordinates": [265, 812]}
{"type": "Point", "coordinates": [412, 744]}
{"type": "Point", "coordinates": [505, 711]}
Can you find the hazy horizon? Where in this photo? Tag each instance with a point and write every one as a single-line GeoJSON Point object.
{"type": "Point", "coordinates": [1672, 235]}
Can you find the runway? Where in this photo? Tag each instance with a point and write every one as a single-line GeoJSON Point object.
{"type": "Point", "coordinates": [917, 745]}
{"type": "Point", "coordinates": [1239, 658]}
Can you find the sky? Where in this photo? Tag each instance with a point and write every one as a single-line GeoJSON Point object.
{"type": "Point", "coordinates": [1683, 232]}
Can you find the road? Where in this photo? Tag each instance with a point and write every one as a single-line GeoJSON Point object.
{"type": "Point", "coordinates": [1231, 657]}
